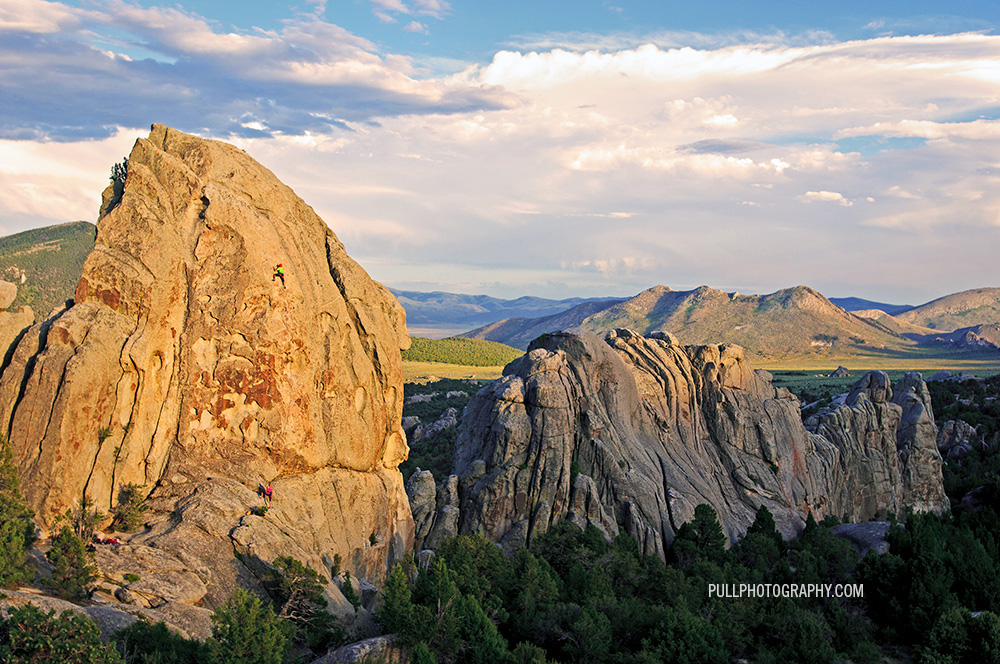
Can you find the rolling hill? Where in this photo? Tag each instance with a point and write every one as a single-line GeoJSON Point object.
{"type": "Point", "coordinates": [792, 321]}
{"type": "Point", "coordinates": [46, 264]}
{"type": "Point", "coordinates": [978, 306]}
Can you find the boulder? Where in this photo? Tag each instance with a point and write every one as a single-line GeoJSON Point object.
{"type": "Point", "coordinates": [185, 368]}
{"type": "Point", "coordinates": [632, 433]}
{"type": "Point", "coordinates": [8, 292]}
{"type": "Point", "coordinates": [376, 649]}
{"type": "Point", "coordinates": [956, 438]}
{"type": "Point", "coordinates": [865, 536]}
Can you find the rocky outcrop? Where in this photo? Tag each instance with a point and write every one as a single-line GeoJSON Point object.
{"type": "Point", "coordinates": [187, 621]}
{"type": "Point", "coordinates": [184, 367]}
{"type": "Point", "coordinates": [865, 536]}
{"type": "Point", "coordinates": [435, 508]}
{"type": "Point", "coordinates": [13, 324]}
{"type": "Point", "coordinates": [916, 440]}
{"type": "Point", "coordinates": [386, 648]}
{"type": "Point", "coordinates": [956, 439]}
{"type": "Point", "coordinates": [447, 421]}
{"type": "Point", "coordinates": [632, 433]}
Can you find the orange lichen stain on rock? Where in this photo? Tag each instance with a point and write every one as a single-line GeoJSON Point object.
{"type": "Point", "coordinates": [62, 336]}
{"type": "Point", "coordinates": [258, 382]}
{"type": "Point", "coordinates": [798, 468]}
{"type": "Point", "coordinates": [109, 297]}
{"type": "Point", "coordinates": [219, 406]}
{"type": "Point", "coordinates": [82, 291]}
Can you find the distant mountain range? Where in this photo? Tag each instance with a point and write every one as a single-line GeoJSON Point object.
{"type": "Point", "coordinates": [440, 314]}
{"type": "Point", "coordinates": [790, 322]}
{"type": "Point", "coordinates": [46, 264]}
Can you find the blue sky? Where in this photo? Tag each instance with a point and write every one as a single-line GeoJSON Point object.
{"type": "Point", "coordinates": [549, 148]}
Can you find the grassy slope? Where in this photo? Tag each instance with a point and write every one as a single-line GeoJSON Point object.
{"type": "Point", "coordinates": [460, 350]}
{"type": "Point", "coordinates": [421, 372]}
{"type": "Point", "coordinates": [51, 260]}
{"type": "Point", "coordinates": [951, 312]}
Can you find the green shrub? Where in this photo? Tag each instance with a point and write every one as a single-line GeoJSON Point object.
{"type": "Point", "coordinates": [146, 643]}
{"type": "Point", "coordinates": [17, 531]}
{"type": "Point", "coordinates": [72, 570]}
{"type": "Point", "coordinates": [29, 636]}
{"type": "Point", "coordinates": [131, 507]}
{"type": "Point", "coordinates": [348, 590]}
{"type": "Point", "coordinates": [246, 631]}
{"type": "Point", "coordinates": [83, 519]}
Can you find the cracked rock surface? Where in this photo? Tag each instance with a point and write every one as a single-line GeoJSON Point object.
{"type": "Point", "coordinates": [184, 367]}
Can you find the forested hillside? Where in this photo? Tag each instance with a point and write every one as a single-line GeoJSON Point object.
{"type": "Point", "coordinates": [460, 350]}
{"type": "Point", "coordinates": [46, 263]}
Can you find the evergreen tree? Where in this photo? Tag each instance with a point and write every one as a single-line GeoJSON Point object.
{"type": "Point", "coordinates": [28, 635]}
{"type": "Point", "coordinates": [72, 570]}
{"type": "Point", "coordinates": [147, 643]}
{"type": "Point", "coordinates": [298, 591]}
{"type": "Point", "coordinates": [436, 617]}
{"type": "Point", "coordinates": [131, 507]}
{"type": "Point", "coordinates": [762, 548]}
{"type": "Point", "coordinates": [16, 527]}
{"type": "Point", "coordinates": [422, 655]}
{"type": "Point", "coordinates": [396, 613]}
{"type": "Point", "coordinates": [702, 537]}
{"type": "Point", "coordinates": [246, 631]}
{"type": "Point", "coordinates": [482, 642]}
{"type": "Point", "coordinates": [347, 588]}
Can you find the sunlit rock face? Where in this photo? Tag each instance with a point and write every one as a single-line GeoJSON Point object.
{"type": "Point", "coordinates": [184, 366]}
{"type": "Point", "coordinates": [633, 433]}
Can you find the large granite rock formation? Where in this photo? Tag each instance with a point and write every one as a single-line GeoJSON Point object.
{"type": "Point", "coordinates": [633, 433]}
{"type": "Point", "coordinates": [183, 366]}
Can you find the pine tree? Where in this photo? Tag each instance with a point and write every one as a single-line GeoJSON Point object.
{"type": "Point", "coordinates": [29, 635]}
{"type": "Point", "coordinates": [246, 631]}
{"type": "Point", "coordinates": [702, 537]}
{"type": "Point", "coordinates": [396, 614]}
{"type": "Point", "coordinates": [16, 527]}
{"type": "Point", "coordinates": [422, 655]}
{"type": "Point", "coordinates": [72, 570]}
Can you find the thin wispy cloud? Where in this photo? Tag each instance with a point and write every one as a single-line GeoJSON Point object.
{"type": "Point", "coordinates": [433, 8]}
{"type": "Point", "coordinates": [417, 27]}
